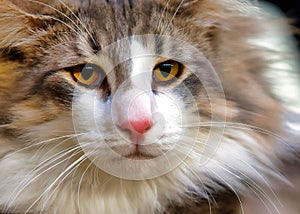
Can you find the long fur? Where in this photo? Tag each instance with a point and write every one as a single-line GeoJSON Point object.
{"type": "Point", "coordinates": [49, 126]}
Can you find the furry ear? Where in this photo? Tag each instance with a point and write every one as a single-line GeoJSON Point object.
{"type": "Point", "coordinates": [15, 23]}
{"type": "Point", "coordinates": [33, 7]}
{"type": "Point", "coordinates": [206, 10]}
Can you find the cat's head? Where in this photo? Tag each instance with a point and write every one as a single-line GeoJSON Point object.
{"type": "Point", "coordinates": [137, 87]}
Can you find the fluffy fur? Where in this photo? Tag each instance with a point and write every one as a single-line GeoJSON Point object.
{"type": "Point", "coordinates": [56, 136]}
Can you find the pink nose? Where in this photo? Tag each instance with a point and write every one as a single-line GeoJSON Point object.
{"type": "Point", "coordinates": [140, 126]}
{"type": "Point", "coordinates": [138, 118]}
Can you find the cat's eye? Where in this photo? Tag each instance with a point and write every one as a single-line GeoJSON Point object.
{"type": "Point", "coordinates": [89, 75]}
{"type": "Point", "coordinates": [167, 71]}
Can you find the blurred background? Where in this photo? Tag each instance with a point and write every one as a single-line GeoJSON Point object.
{"type": "Point", "coordinates": [291, 8]}
{"type": "Point", "coordinates": [285, 199]}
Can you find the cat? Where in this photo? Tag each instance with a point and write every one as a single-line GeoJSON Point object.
{"type": "Point", "coordinates": [141, 106]}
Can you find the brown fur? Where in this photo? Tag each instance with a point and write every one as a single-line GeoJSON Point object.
{"type": "Point", "coordinates": [220, 37]}
{"type": "Point", "coordinates": [38, 45]}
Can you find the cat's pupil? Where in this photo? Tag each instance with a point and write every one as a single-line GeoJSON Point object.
{"type": "Point", "coordinates": [87, 73]}
{"type": "Point", "coordinates": [165, 69]}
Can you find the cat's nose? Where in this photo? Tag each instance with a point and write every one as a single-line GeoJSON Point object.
{"type": "Point", "coordinates": [137, 128]}
{"type": "Point", "coordinates": [137, 117]}
{"type": "Point", "coordinates": [140, 126]}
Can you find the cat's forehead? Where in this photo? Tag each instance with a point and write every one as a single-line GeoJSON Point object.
{"type": "Point", "coordinates": [113, 20]}
{"type": "Point", "coordinates": [65, 33]}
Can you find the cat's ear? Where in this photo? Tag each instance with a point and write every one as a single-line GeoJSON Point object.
{"type": "Point", "coordinates": [206, 10]}
{"type": "Point", "coordinates": [15, 23]}
{"type": "Point", "coordinates": [12, 24]}
{"type": "Point", "coordinates": [33, 7]}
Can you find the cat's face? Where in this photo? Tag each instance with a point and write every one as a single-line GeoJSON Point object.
{"type": "Point", "coordinates": [132, 90]}
{"type": "Point", "coordinates": [135, 88]}
{"type": "Point", "coordinates": [141, 104]}
{"type": "Point", "coordinates": [131, 80]}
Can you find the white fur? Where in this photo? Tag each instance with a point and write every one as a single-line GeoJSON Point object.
{"type": "Point", "coordinates": [54, 178]}
{"type": "Point", "coordinates": [142, 65]}
{"type": "Point", "coordinates": [88, 189]}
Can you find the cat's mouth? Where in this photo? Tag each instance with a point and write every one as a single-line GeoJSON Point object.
{"type": "Point", "coordinates": [139, 156]}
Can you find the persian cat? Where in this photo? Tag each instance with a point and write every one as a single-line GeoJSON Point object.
{"type": "Point", "coordinates": [144, 106]}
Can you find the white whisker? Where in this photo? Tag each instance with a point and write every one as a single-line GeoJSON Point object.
{"type": "Point", "coordinates": [233, 190]}
{"type": "Point", "coordinates": [33, 177]}
{"type": "Point", "coordinates": [43, 142]}
{"type": "Point", "coordinates": [85, 28]}
{"type": "Point", "coordinates": [56, 180]}
{"type": "Point", "coordinates": [62, 179]}
{"type": "Point", "coordinates": [209, 195]}
{"type": "Point", "coordinates": [246, 179]}
{"type": "Point", "coordinates": [170, 22]}
{"type": "Point", "coordinates": [242, 126]}
{"type": "Point", "coordinates": [53, 8]}
{"type": "Point", "coordinates": [80, 182]}
{"type": "Point", "coordinates": [233, 125]}
{"type": "Point", "coordinates": [162, 15]}
{"type": "Point", "coordinates": [253, 184]}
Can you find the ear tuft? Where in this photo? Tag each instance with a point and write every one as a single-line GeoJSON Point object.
{"type": "Point", "coordinates": [13, 24]}
{"type": "Point", "coordinates": [17, 20]}
{"type": "Point", "coordinates": [33, 7]}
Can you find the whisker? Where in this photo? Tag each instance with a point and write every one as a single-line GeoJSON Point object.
{"type": "Point", "coordinates": [55, 181]}
{"type": "Point", "coordinates": [43, 142]}
{"type": "Point", "coordinates": [208, 194]}
{"type": "Point", "coordinates": [257, 173]}
{"type": "Point", "coordinates": [64, 177]}
{"type": "Point", "coordinates": [242, 126]}
{"type": "Point", "coordinates": [85, 28]}
{"type": "Point", "coordinates": [53, 8]}
{"type": "Point", "coordinates": [33, 177]}
{"type": "Point", "coordinates": [10, 17]}
{"type": "Point", "coordinates": [80, 181]}
{"type": "Point", "coordinates": [253, 183]}
{"type": "Point", "coordinates": [62, 22]}
{"type": "Point", "coordinates": [233, 190]}
{"type": "Point", "coordinates": [55, 46]}
{"type": "Point", "coordinates": [263, 179]}
{"type": "Point", "coordinates": [162, 14]}
{"type": "Point", "coordinates": [57, 132]}
{"type": "Point", "coordinates": [172, 18]}
{"type": "Point", "coordinates": [56, 156]}
{"type": "Point", "coordinates": [261, 199]}
{"type": "Point", "coordinates": [40, 152]}
{"type": "Point", "coordinates": [233, 125]}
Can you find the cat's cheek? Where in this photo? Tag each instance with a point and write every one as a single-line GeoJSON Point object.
{"type": "Point", "coordinates": [167, 129]}
{"type": "Point", "coordinates": [89, 115]}
{"type": "Point", "coordinates": [88, 110]}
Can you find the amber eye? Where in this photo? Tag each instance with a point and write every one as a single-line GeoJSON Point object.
{"type": "Point", "coordinates": [167, 71]}
{"type": "Point", "coordinates": [88, 75]}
